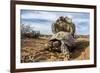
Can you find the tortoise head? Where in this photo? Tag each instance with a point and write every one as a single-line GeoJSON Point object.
{"type": "Point", "coordinates": [68, 20]}
{"type": "Point", "coordinates": [55, 43]}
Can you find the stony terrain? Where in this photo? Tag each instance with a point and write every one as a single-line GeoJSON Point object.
{"type": "Point", "coordinates": [32, 50]}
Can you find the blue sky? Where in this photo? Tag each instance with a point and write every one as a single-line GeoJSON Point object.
{"type": "Point", "coordinates": [42, 20]}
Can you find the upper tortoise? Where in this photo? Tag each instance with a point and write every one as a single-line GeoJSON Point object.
{"type": "Point", "coordinates": [63, 24]}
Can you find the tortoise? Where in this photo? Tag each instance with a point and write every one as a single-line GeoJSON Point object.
{"type": "Point", "coordinates": [63, 24]}
{"type": "Point", "coordinates": [62, 41]}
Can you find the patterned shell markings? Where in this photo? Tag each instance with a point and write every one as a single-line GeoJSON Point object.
{"type": "Point", "coordinates": [63, 24]}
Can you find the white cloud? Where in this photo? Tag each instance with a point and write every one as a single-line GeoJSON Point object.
{"type": "Point", "coordinates": [78, 20]}
{"type": "Point", "coordinates": [39, 15]}
{"type": "Point", "coordinates": [43, 28]}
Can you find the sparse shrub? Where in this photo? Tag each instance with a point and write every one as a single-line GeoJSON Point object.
{"type": "Point", "coordinates": [28, 31]}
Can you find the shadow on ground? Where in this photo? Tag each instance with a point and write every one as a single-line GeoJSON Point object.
{"type": "Point", "coordinates": [79, 48]}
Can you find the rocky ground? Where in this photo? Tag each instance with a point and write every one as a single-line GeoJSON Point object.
{"type": "Point", "coordinates": [32, 50]}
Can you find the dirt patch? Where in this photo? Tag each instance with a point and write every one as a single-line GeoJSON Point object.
{"type": "Point", "coordinates": [32, 50]}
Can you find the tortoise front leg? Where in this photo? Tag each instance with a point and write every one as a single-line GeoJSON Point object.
{"type": "Point", "coordinates": [65, 51]}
